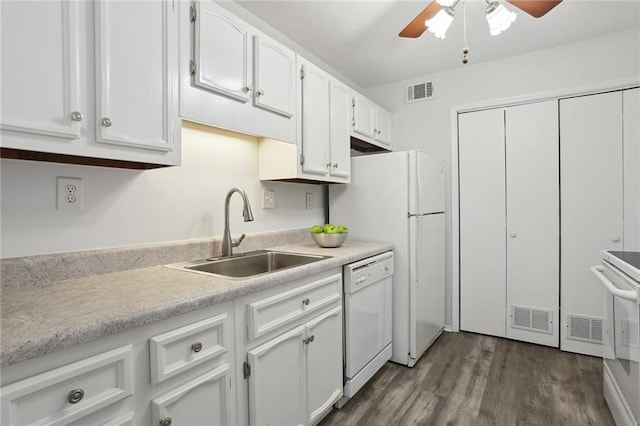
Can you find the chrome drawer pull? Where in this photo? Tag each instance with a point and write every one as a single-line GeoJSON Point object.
{"type": "Point", "coordinates": [106, 122]}
{"type": "Point", "coordinates": [76, 116]}
{"type": "Point", "coordinates": [306, 302]}
{"type": "Point", "coordinates": [165, 421]}
{"type": "Point", "coordinates": [75, 396]}
{"type": "Point", "coordinates": [309, 339]}
{"type": "Point", "coordinates": [196, 347]}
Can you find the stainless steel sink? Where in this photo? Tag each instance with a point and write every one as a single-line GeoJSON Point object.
{"type": "Point", "coordinates": [249, 264]}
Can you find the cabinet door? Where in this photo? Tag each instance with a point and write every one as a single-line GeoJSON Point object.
{"type": "Point", "coordinates": [533, 211]}
{"type": "Point", "coordinates": [340, 111]}
{"type": "Point", "coordinates": [315, 120]}
{"type": "Point", "coordinates": [482, 222]}
{"type": "Point", "coordinates": [206, 400]}
{"type": "Point", "coordinates": [40, 76]}
{"type": "Point", "coordinates": [324, 363]}
{"type": "Point", "coordinates": [363, 116]}
{"type": "Point", "coordinates": [137, 74]}
{"type": "Point", "coordinates": [277, 384]}
{"type": "Point", "coordinates": [221, 52]}
{"type": "Point", "coordinates": [383, 126]}
{"type": "Point", "coordinates": [591, 188]}
{"type": "Point", "coordinates": [274, 76]}
{"type": "Point", "coordinates": [631, 149]}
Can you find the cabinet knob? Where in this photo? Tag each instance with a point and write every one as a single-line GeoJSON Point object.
{"type": "Point", "coordinates": [76, 116]}
{"type": "Point", "coordinates": [335, 165]}
{"type": "Point", "coordinates": [196, 347]}
{"type": "Point", "coordinates": [260, 93]}
{"type": "Point", "coordinates": [165, 421]}
{"type": "Point", "coordinates": [247, 89]}
{"type": "Point", "coordinates": [106, 122]}
{"type": "Point", "coordinates": [513, 234]}
{"type": "Point", "coordinates": [309, 339]}
{"type": "Point", "coordinates": [75, 396]}
{"type": "Point", "coordinates": [328, 165]}
{"type": "Point", "coordinates": [615, 238]}
{"type": "Point", "coordinates": [306, 302]}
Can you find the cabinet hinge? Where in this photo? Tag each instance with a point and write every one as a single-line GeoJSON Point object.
{"type": "Point", "coordinates": [193, 14]}
{"type": "Point", "coordinates": [301, 73]}
{"type": "Point", "coordinates": [301, 159]}
{"type": "Point", "coordinates": [192, 67]}
{"type": "Point", "coordinates": [246, 369]}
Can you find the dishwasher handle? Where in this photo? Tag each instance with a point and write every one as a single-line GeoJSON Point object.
{"type": "Point", "coordinates": [631, 295]}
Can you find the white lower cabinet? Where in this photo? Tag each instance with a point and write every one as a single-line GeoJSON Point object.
{"type": "Point", "coordinates": [177, 371]}
{"type": "Point", "coordinates": [293, 372]}
{"type": "Point", "coordinates": [205, 400]}
{"type": "Point", "coordinates": [184, 370]}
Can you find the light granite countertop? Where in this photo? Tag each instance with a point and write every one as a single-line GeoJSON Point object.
{"type": "Point", "coordinates": [40, 319]}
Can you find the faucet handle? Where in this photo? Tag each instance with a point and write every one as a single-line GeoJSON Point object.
{"type": "Point", "coordinates": [238, 241]}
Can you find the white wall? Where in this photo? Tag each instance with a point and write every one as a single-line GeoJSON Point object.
{"type": "Point", "coordinates": [124, 207]}
{"type": "Point", "coordinates": [427, 125]}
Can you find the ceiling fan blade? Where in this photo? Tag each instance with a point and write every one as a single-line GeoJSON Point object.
{"type": "Point", "coordinates": [535, 8]}
{"type": "Point", "coordinates": [418, 26]}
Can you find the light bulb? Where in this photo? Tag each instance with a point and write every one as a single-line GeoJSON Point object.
{"type": "Point", "coordinates": [499, 18]}
{"type": "Point", "coordinates": [439, 24]}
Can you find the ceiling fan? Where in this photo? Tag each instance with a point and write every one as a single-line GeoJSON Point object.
{"type": "Point", "coordinates": [417, 26]}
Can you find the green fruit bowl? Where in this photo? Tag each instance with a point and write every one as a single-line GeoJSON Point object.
{"type": "Point", "coordinates": [329, 240]}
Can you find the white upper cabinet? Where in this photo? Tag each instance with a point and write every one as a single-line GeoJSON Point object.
{"type": "Point", "coordinates": [339, 113]}
{"type": "Point", "coordinates": [137, 82]}
{"type": "Point", "coordinates": [233, 76]}
{"type": "Point", "coordinates": [222, 52]}
{"type": "Point", "coordinates": [323, 149]}
{"type": "Point", "coordinates": [130, 48]}
{"type": "Point", "coordinates": [370, 123]}
{"type": "Point", "coordinates": [34, 101]}
{"type": "Point", "coordinates": [274, 76]}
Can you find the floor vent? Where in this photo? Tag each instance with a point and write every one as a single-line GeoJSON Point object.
{"type": "Point", "coordinates": [532, 319]}
{"type": "Point", "coordinates": [418, 92]}
{"type": "Point", "coordinates": [585, 329]}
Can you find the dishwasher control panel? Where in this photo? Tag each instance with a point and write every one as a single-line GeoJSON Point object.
{"type": "Point", "coordinates": [367, 271]}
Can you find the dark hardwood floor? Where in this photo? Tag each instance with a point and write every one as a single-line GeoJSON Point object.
{"type": "Point", "coordinates": [472, 379]}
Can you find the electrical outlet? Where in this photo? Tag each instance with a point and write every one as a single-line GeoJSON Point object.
{"type": "Point", "coordinates": [309, 201]}
{"type": "Point", "coordinates": [268, 199]}
{"type": "Point", "coordinates": [69, 194]}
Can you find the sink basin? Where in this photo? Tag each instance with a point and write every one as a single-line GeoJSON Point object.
{"type": "Point", "coordinates": [250, 264]}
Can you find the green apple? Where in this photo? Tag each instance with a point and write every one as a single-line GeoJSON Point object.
{"type": "Point", "coordinates": [317, 229]}
{"type": "Point", "coordinates": [342, 229]}
{"type": "Point", "coordinates": [330, 229]}
{"type": "Point", "coordinates": [326, 227]}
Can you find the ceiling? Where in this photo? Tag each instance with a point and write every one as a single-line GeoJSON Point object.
{"type": "Point", "coordinates": [360, 38]}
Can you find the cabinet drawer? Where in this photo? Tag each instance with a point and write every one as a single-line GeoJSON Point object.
{"type": "Point", "coordinates": [273, 312]}
{"type": "Point", "coordinates": [70, 392]}
{"type": "Point", "coordinates": [183, 348]}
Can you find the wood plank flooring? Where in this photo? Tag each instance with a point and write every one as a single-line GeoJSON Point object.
{"type": "Point", "coordinates": [472, 379]}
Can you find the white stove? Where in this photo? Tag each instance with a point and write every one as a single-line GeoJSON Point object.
{"type": "Point", "coordinates": [619, 272]}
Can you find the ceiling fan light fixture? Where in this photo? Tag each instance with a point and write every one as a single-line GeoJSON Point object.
{"type": "Point", "coordinates": [439, 24]}
{"type": "Point", "coordinates": [499, 18]}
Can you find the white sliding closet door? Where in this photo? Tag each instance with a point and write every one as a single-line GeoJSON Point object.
{"type": "Point", "coordinates": [533, 220]}
{"type": "Point", "coordinates": [631, 150]}
{"type": "Point", "coordinates": [591, 178]}
{"type": "Point", "coordinates": [482, 222]}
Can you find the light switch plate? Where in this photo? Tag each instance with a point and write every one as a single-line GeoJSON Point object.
{"type": "Point", "coordinates": [308, 201]}
{"type": "Point", "coordinates": [268, 199]}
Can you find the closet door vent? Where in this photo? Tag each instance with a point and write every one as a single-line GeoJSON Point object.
{"type": "Point", "coordinates": [585, 329]}
{"type": "Point", "coordinates": [532, 319]}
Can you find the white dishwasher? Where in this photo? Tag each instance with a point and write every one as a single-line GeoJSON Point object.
{"type": "Point", "coordinates": [367, 320]}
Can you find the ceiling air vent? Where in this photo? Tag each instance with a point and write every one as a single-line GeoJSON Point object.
{"type": "Point", "coordinates": [419, 92]}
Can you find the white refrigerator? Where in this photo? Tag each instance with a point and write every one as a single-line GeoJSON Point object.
{"type": "Point", "coordinates": [399, 197]}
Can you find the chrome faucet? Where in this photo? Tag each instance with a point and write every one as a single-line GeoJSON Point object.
{"type": "Point", "coordinates": [227, 243]}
